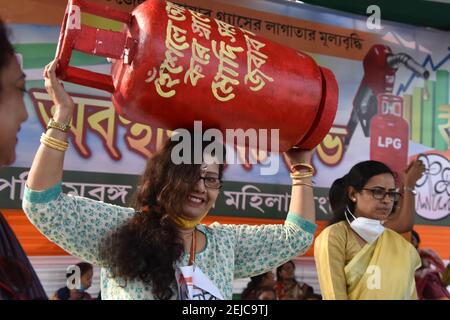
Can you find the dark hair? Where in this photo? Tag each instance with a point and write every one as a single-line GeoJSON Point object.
{"type": "Point", "coordinates": [357, 177]}
{"type": "Point", "coordinates": [261, 290]}
{"type": "Point", "coordinates": [253, 286]}
{"type": "Point", "coordinates": [279, 278]}
{"type": "Point", "coordinates": [415, 235]}
{"type": "Point", "coordinates": [147, 245]}
{"type": "Point", "coordinates": [15, 276]}
{"type": "Point", "coordinates": [336, 194]}
{"type": "Point", "coordinates": [6, 48]}
{"type": "Point", "coordinates": [84, 268]}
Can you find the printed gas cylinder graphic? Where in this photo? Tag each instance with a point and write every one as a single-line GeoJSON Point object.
{"type": "Point", "coordinates": [173, 66]}
{"type": "Point", "coordinates": [389, 133]}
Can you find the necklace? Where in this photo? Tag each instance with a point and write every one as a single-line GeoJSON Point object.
{"type": "Point", "coordinates": [193, 248]}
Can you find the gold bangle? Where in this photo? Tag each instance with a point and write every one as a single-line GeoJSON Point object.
{"type": "Point", "coordinates": [303, 184]}
{"type": "Point", "coordinates": [62, 143]}
{"type": "Point", "coordinates": [53, 143]}
{"type": "Point", "coordinates": [53, 146]}
{"type": "Point", "coordinates": [58, 125]}
{"type": "Point", "coordinates": [301, 175]}
{"type": "Point", "coordinates": [309, 167]}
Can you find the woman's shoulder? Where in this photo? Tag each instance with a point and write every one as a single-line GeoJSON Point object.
{"type": "Point", "coordinates": [393, 235]}
{"type": "Point", "coordinates": [337, 230]}
{"type": "Point", "coordinates": [221, 231]}
{"type": "Point", "coordinates": [217, 228]}
{"type": "Point", "coordinates": [340, 227]}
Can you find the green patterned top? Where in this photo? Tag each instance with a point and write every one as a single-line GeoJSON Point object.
{"type": "Point", "coordinates": [79, 224]}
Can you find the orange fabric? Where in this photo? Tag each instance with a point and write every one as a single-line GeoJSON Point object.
{"type": "Point", "coordinates": [436, 238]}
{"type": "Point", "coordinates": [32, 241]}
{"type": "Point", "coordinates": [35, 244]}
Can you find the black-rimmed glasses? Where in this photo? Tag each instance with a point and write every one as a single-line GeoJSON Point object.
{"type": "Point", "coordinates": [380, 194]}
{"type": "Point", "coordinates": [211, 182]}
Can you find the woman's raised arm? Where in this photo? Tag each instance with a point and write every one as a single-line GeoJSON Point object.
{"type": "Point", "coordinates": [47, 167]}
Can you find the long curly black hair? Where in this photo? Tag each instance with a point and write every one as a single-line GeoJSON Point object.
{"type": "Point", "coordinates": [147, 246]}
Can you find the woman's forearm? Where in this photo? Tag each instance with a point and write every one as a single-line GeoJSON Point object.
{"type": "Point", "coordinates": [403, 218]}
{"type": "Point", "coordinates": [47, 167]}
{"type": "Point", "coordinates": [302, 200]}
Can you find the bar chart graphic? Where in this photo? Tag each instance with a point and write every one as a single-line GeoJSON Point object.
{"type": "Point", "coordinates": [427, 111]}
{"type": "Point", "coordinates": [427, 108]}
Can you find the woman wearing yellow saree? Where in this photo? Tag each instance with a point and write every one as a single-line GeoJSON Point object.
{"type": "Point", "coordinates": [361, 255]}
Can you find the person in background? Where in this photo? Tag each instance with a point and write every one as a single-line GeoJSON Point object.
{"type": "Point", "coordinates": [361, 254]}
{"type": "Point", "coordinates": [287, 287]}
{"type": "Point", "coordinates": [265, 280]}
{"type": "Point", "coordinates": [266, 293]}
{"type": "Point", "coordinates": [429, 277]}
{"type": "Point", "coordinates": [66, 293]}
{"type": "Point", "coordinates": [15, 279]}
{"type": "Point", "coordinates": [12, 105]}
{"type": "Point", "coordinates": [16, 275]}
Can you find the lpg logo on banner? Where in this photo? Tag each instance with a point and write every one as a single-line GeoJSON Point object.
{"type": "Point", "coordinates": [386, 142]}
{"type": "Point", "coordinates": [433, 189]}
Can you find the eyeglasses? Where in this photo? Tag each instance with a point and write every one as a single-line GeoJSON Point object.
{"type": "Point", "coordinates": [211, 182]}
{"type": "Point", "coordinates": [380, 194]}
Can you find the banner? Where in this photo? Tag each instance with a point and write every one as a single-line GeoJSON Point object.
{"type": "Point", "coordinates": [108, 152]}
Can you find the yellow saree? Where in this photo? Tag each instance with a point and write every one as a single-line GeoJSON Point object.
{"type": "Point", "coordinates": [381, 270]}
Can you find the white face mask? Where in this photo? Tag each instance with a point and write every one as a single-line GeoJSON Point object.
{"type": "Point", "coordinates": [368, 229]}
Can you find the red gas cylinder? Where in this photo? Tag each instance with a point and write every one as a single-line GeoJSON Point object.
{"type": "Point", "coordinates": [389, 134]}
{"type": "Point", "coordinates": [173, 66]}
